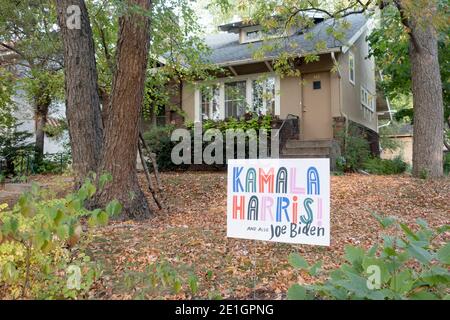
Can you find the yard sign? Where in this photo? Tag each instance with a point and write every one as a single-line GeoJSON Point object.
{"type": "Point", "coordinates": [282, 200]}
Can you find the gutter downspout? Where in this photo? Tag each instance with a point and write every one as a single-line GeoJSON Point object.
{"type": "Point", "coordinates": [341, 111]}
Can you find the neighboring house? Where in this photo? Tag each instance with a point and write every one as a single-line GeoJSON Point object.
{"type": "Point", "coordinates": [24, 113]}
{"type": "Point", "coordinates": [324, 99]}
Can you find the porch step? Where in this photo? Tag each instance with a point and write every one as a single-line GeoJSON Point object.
{"type": "Point", "coordinates": [311, 149]}
{"type": "Point", "coordinates": [309, 156]}
{"type": "Point", "coordinates": [293, 143]}
{"type": "Point", "coordinates": [307, 151]}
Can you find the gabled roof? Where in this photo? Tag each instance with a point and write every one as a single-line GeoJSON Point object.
{"type": "Point", "coordinates": [226, 49]}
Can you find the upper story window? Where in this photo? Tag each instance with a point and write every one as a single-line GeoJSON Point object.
{"type": "Point", "coordinates": [251, 34]}
{"type": "Point", "coordinates": [351, 68]}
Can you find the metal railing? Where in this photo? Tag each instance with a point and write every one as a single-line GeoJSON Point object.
{"type": "Point", "coordinates": [289, 128]}
{"type": "Point", "coordinates": [24, 163]}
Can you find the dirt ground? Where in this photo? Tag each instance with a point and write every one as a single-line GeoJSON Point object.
{"type": "Point", "coordinates": [191, 235]}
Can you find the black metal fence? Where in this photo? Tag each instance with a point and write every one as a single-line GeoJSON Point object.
{"type": "Point", "coordinates": [25, 163]}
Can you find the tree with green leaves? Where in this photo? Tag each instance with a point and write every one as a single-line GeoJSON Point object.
{"type": "Point", "coordinates": [105, 99]}
{"type": "Point", "coordinates": [421, 21]}
{"type": "Point", "coordinates": [389, 44]}
{"type": "Point", "coordinates": [31, 45]}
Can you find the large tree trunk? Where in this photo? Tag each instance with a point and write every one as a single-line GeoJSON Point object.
{"type": "Point", "coordinates": [427, 97]}
{"type": "Point", "coordinates": [82, 98]}
{"type": "Point", "coordinates": [122, 125]}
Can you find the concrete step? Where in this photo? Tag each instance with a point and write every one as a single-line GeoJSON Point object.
{"type": "Point", "coordinates": [308, 143]}
{"type": "Point", "coordinates": [306, 151]}
{"type": "Point", "coordinates": [295, 156]}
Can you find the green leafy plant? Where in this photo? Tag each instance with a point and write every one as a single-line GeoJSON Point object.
{"type": "Point", "coordinates": [412, 266]}
{"type": "Point", "coordinates": [385, 166]}
{"type": "Point", "coordinates": [355, 150]}
{"type": "Point", "coordinates": [447, 163]}
{"type": "Point", "coordinates": [161, 278]}
{"type": "Point", "coordinates": [42, 244]}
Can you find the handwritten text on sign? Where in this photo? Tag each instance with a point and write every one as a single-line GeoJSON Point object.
{"type": "Point", "coordinates": [282, 200]}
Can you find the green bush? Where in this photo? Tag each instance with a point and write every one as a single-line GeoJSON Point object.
{"type": "Point", "coordinates": [158, 140]}
{"type": "Point", "coordinates": [54, 163]}
{"type": "Point", "coordinates": [384, 166]}
{"type": "Point", "coordinates": [447, 163]}
{"type": "Point", "coordinates": [411, 266]}
{"type": "Point", "coordinates": [42, 244]}
{"type": "Point", "coordinates": [158, 137]}
{"type": "Point", "coordinates": [355, 151]}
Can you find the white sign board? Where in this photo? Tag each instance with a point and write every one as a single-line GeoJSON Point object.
{"type": "Point", "coordinates": [281, 200]}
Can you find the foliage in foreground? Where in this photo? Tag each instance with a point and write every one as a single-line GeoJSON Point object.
{"type": "Point", "coordinates": [411, 266]}
{"type": "Point", "coordinates": [162, 278]}
{"type": "Point", "coordinates": [42, 244]}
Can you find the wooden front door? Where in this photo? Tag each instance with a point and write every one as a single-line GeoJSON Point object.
{"type": "Point", "coordinates": [316, 121]}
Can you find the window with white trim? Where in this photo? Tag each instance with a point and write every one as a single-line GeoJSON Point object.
{"type": "Point", "coordinates": [351, 68]}
{"type": "Point", "coordinates": [234, 97]}
{"type": "Point", "coordinates": [367, 104]}
{"type": "Point", "coordinates": [210, 102]}
{"type": "Point", "coordinates": [263, 95]}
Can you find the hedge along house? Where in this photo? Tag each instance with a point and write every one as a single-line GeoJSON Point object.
{"type": "Point", "coordinates": [324, 98]}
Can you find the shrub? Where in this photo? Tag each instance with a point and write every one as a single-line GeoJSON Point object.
{"type": "Point", "coordinates": [158, 137]}
{"type": "Point", "coordinates": [447, 163]}
{"type": "Point", "coordinates": [54, 163]}
{"type": "Point", "coordinates": [411, 266]}
{"type": "Point", "coordinates": [384, 166]}
{"type": "Point", "coordinates": [355, 151]}
{"type": "Point", "coordinates": [158, 140]}
{"type": "Point", "coordinates": [42, 242]}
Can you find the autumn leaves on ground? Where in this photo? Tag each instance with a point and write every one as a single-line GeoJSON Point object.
{"type": "Point", "coordinates": [190, 236]}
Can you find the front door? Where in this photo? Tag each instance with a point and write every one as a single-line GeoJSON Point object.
{"type": "Point", "coordinates": [316, 107]}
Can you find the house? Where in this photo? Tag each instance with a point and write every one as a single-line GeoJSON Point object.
{"type": "Point", "coordinates": [24, 111]}
{"type": "Point", "coordinates": [324, 99]}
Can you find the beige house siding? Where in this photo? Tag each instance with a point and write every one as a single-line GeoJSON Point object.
{"type": "Point", "coordinates": [364, 76]}
{"type": "Point", "coordinates": [188, 101]}
{"type": "Point", "coordinates": [290, 96]}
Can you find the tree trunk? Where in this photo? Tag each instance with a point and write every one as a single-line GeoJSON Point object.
{"type": "Point", "coordinates": [427, 97]}
{"type": "Point", "coordinates": [40, 122]}
{"type": "Point", "coordinates": [82, 98]}
{"type": "Point", "coordinates": [122, 127]}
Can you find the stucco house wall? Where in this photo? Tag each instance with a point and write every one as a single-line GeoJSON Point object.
{"type": "Point", "coordinates": [364, 77]}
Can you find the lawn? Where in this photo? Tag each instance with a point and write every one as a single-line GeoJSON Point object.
{"type": "Point", "coordinates": [191, 236]}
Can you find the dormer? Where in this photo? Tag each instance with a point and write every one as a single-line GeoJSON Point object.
{"type": "Point", "coordinates": [249, 33]}
{"type": "Point", "coordinates": [252, 32]}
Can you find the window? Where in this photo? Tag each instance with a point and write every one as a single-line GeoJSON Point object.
{"type": "Point", "coordinates": [235, 99]}
{"type": "Point", "coordinates": [253, 35]}
{"type": "Point", "coordinates": [351, 67]}
{"type": "Point", "coordinates": [263, 95]}
{"type": "Point", "coordinates": [317, 85]}
{"type": "Point", "coordinates": [229, 98]}
{"type": "Point", "coordinates": [367, 104]}
{"type": "Point", "coordinates": [210, 103]}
